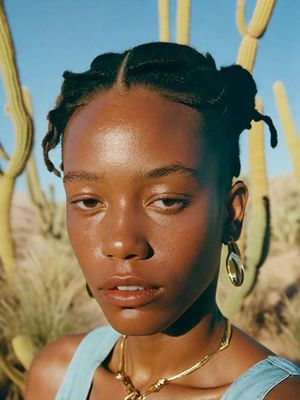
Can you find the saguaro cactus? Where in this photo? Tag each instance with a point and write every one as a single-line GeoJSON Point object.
{"type": "Point", "coordinates": [256, 233]}
{"type": "Point", "coordinates": [183, 21]}
{"type": "Point", "coordinates": [256, 236]}
{"type": "Point", "coordinates": [23, 132]}
{"type": "Point", "coordinates": [289, 127]}
{"type": "Point", "coordinates": [164, 20]}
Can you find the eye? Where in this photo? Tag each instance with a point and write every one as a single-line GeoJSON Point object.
{"type": "Point", "coordinates": [171, 203]}
{"type": "Point", "coordinates": [86, 204]}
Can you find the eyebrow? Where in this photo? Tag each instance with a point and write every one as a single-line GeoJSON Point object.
{"type": "Point", "coordinates": [159, 172]}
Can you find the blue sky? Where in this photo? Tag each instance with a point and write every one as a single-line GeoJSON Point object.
{"type": "Point", "coordinates": [52, 36]}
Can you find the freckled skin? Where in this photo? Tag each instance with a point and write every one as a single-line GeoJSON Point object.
{"type": "Point", "coordinates": [121, 224]}
{"type": "Point", "coordinates": [178, 251]}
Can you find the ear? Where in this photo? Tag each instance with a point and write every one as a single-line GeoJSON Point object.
{"type": "Point", "coordinates": [235, 206]}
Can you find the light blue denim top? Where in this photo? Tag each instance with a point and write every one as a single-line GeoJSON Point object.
{"type": "Point", "coordinates": [254, 384]}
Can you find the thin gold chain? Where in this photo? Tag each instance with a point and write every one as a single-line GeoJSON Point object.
{"type": "Point", "coordinates": [134, 394]}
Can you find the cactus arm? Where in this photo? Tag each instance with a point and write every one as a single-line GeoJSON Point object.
{"type": "Point", "coordinates": [258, 25]}
{"type": "Point", "coordinates": [15, 105]}
{"type": "Point", "coordinates": [24, 133]}
{"type": "Point", "coordinates": [3, 153]}
{"type": "Point", "coordinates": [32, 178]}
{"type": "Point", "coordinates": [183, 21]}
{"type": "Point", "coordinates": [13, 374]}
{"type": "Point", "coordinates": [261, 17]}
{"type": "Point", "coordinates": [240, 18]}
{"type": "Point", "coordinates": [7, 254]}
{"type": "Point", "coordinates": [288, 125]}
{"type": "Point", "coordinates": [164, 20]}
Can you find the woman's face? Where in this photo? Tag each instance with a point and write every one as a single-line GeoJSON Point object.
{"type": "Point", "coordinates": [145, 215]}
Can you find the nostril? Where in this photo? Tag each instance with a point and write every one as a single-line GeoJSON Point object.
{"type": "Point", "coordinates": [130, 256]}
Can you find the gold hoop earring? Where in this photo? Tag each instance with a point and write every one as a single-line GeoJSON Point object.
{"type": "Point", "coordinates": [89, 292]}
{"type": "Point", "coordinates": [234, 266]}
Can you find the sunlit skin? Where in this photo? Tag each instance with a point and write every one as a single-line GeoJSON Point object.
{"type": "Point", "coordinates": [166, 228]}
{"type": "Point", "coordinates": [144, 199]}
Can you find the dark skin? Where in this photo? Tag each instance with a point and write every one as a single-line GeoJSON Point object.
{"type": "Point", "coordinates": [166, 226]}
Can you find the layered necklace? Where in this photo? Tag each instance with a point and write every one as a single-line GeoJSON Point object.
{"type": "Point", "coordinates": [134, 394]}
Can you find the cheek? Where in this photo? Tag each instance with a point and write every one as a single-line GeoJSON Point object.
{"type": "Point", "coordinates": [83, 238]}
{"type": "Point", "coordinates": [191, 247]}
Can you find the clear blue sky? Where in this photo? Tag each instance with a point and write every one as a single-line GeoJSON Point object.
{"type": "Point", "coordinates": [52, 36]}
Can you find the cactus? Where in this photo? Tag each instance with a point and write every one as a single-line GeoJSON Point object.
{"type": "Point", "coordinates": [24, 133]}
{"type": "Point", "coordinates": [256, 232]}
{"type": "Point", "coordinates": [289, 127]}
{"type": "Point", "coordinates": [183, 21]}
{"type": "Point", "coordinates": [24, 349]}
{"type": "Point", "coordinates": [255, 238]}
{"type": "Point", "coordinates": [259, 21]}
{"type": "Point", "coordinates": [164, 20]}
{"type": "Point", "coordinates": [247, 53]}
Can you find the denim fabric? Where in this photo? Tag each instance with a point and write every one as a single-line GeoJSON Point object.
{"type": "Point", "coordinates": [254, 384]}
{"type": "Point", "coordinates": [257, 382]}
{"type": "Point", "coordinates": [92, 350]}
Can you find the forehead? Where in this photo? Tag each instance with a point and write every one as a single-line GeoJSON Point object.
{"type": "Point", "coordinates": [138, 123]}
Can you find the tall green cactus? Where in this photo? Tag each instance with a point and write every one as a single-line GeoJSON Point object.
{"type": "Point", "coordinates": [255, 238]}
{"type": "Point", "coordinates": [23, 133]}
{"type": "Point", "coordinates": [289, 127]}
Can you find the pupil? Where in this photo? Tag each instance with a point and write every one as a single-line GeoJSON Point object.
{"type": "Point", "coordinates": [90, 202]}
{"type": "Point", "coordinates": [169, 202]}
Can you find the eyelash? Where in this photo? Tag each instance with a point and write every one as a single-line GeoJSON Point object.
{"type": "Point", "coordinates": [183, 203]}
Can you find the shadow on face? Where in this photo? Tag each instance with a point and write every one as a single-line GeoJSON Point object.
{"type": "Point", "coordinates": [144, 208]}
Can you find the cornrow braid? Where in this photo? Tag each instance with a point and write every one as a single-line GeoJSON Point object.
{"type": "Point", "coordinates": [179, 73]}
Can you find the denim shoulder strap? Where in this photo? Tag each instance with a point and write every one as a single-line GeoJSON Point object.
{"type": "Point", "coordinates": [90, 353]}
{"type": "Point", "coordinates": [257, 382]}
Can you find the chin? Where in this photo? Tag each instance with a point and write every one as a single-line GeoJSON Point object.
{"type": "Point", "coordinates": [136, 322]}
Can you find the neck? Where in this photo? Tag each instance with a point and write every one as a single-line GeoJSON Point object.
{"type": "Point", "coordinates": [196, 333]}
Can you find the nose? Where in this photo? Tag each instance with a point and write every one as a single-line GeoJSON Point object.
{"type": "Point", "coordinates": [124, 238]}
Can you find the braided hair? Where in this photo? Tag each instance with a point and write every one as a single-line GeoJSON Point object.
{"type": "Point", "coordinates": [179, 73]}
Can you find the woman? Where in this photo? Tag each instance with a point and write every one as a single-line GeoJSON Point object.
{"type": "Point", "coordinates": [150, 144]}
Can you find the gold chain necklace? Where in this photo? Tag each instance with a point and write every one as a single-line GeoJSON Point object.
{"type": "Point", "coordinates": [134, 394]}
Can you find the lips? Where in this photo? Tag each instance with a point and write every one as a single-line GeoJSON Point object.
{"type": "Point", "coordinates": [120, 281]}
{"type": "Point", "coordinates": [129, 291]}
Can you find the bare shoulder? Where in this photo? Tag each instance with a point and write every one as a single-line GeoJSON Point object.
{"type": "Point", "coordinates": [288, 389]}
{"type": "Point", "coordinates": [49, 366]}
{"type": "Point", "coordinates": [254, 352]}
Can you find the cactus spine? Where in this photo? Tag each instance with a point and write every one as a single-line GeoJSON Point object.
{"type": "Point", "coordinates": [183, 21]}
{"type": "Point", "coordinates": [24, 133]}
{"type": "Point", "coordinates": [164, 20]}
{"type": "Point", "coordinates": [255, 241]}
{"type": "Point", "coordinates": [288, 125]}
